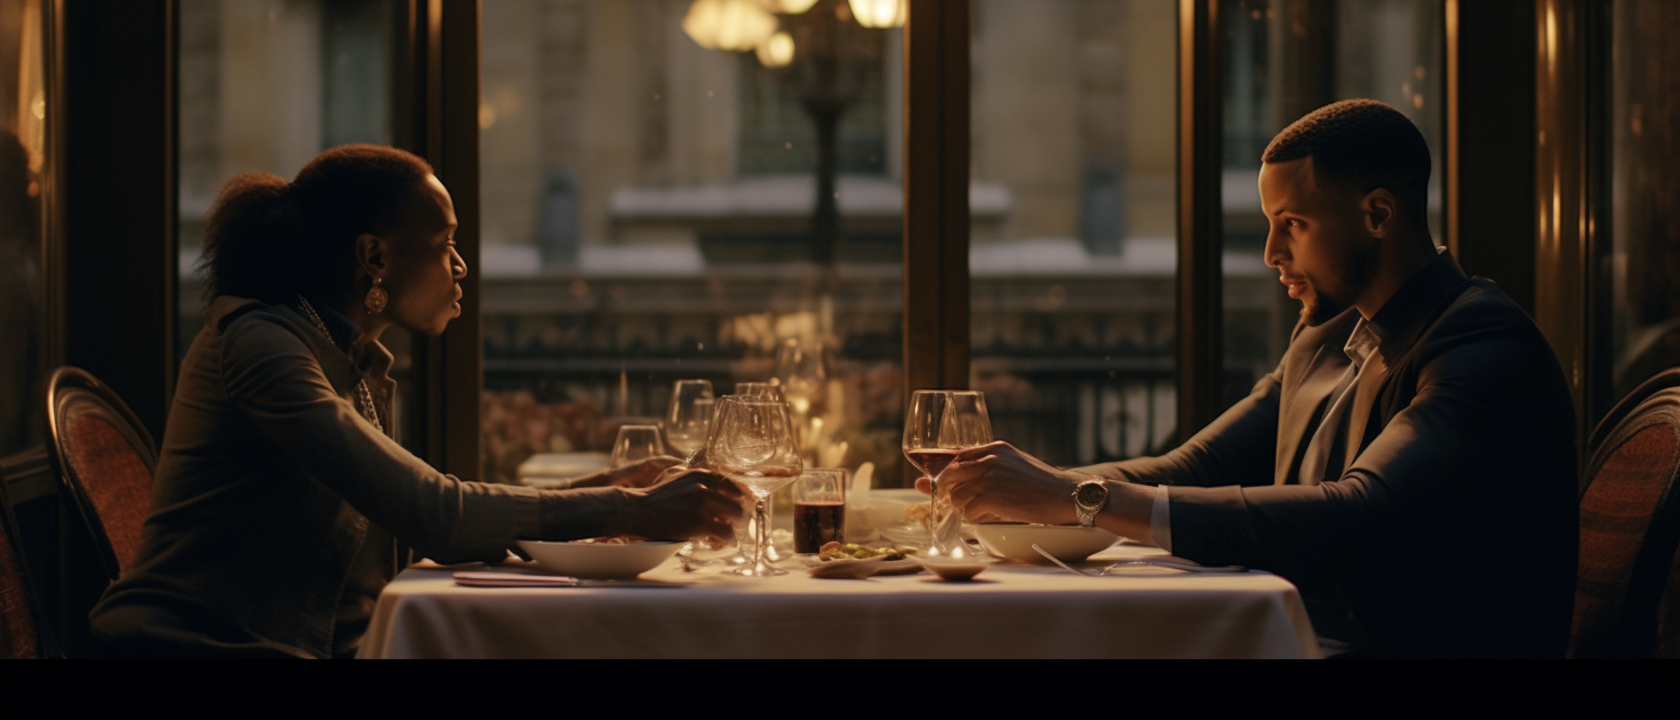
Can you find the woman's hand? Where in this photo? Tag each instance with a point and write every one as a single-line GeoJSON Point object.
{"type": "Point", "coordinates": [642, 473]}
{"type": "Point", "coordinates": [684, 504]}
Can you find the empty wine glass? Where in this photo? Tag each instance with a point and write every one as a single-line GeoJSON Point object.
{"type": "Point", "coordinates": [760, 390]}
{"type": "Point", "coordinates": [690, 554]}
{"type": "Point", "coordinates": [752, 443]}
{"type": "Point", "coordinates": [802, 370]}
{"type": "Point", "coordinates": [937, 425]}
{"type": "Point", "coordinates": [687, 424]}
{"type": "Point", "coordinates": [689, 417]}
{"type": "Point", "coordinates": [802, 374]}
{"type": "Point", "coordinates": [636, 443]}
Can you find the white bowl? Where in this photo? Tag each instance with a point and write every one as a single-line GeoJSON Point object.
{"type": "Point", "coordinates": [599, 560]}
{"type": "Point", "coordinates": [1069, 543]}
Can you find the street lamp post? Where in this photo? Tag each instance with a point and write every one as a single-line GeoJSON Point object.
{"type": "Point", "coordinates": [834, 44]}
{"type": "Point", "coordinates": [832, 55]}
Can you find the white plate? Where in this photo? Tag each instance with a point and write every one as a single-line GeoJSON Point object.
{"type": "Point", "coordinates": [599, 560]}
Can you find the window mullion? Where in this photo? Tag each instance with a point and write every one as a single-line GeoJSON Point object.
{"type": "Point", "coordinates": [936, 215]}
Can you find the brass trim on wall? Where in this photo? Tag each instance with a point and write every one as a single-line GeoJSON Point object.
{"type": "Point", "coordinates": [52, 195]}
{"type": "Point", "coordinates": [1568, 164]}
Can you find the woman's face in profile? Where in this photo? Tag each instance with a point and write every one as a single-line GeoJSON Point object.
{"type": "Point", "coordinates": [424, 272]}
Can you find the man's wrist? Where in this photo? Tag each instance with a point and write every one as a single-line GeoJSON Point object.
{"type": "Point", "coordinates": [1090, 498]}
{"type": "Point", "coordinates": [1127, 510]}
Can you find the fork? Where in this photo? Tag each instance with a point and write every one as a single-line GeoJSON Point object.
{"type": "Point", "coordinates": [1187, 567]}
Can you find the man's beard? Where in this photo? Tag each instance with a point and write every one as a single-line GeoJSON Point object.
{"type": "Point", "coordinates": [1319, 306]}
{"type": "Point", "coordinates": [1316, 307]}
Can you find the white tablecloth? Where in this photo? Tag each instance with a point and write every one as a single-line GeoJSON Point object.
{"type": "Point", "coordinates": [1012, 610]}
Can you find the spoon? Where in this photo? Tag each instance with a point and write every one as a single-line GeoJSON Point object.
{"type": "Point", "coordinates": [1187, 567]}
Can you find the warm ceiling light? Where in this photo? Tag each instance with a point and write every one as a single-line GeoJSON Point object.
{"type": "Point", "coordinates": [880, 13]}
{"type": "Point", "coordinates": [788, 7]}
{"type": "Point", "coordinates": [777, 51]}
{"type": "Point", "coordinates": [734, 25]}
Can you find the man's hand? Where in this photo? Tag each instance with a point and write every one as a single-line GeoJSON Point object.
{"type": "Point", "coordinates": [642, 473]}
{"type": "Point", "coordinates": [999, 483]}
{"type": "Point", "coordinates": [685, 504]}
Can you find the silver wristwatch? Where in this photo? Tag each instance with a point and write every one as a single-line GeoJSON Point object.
{"type": "Point", "coordinates": [1089, 498]}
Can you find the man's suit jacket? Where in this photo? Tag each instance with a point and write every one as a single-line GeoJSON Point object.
{"type": "Point", "coordinates": [1450, 528]}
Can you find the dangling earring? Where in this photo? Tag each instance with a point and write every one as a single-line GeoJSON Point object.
{"type": "Point", "coordinates": [376, 298]}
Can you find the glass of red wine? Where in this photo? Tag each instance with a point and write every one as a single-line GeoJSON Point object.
{"type": "Point", "coordinates": [938, 425]}
{"type": "Point", "coordinates": [752, 443]}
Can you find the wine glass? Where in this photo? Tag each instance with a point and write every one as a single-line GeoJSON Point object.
{"type": "Point", "coordinates": [752, 443]}
{"type": "Point", "coordinates": [743, 526]}
{"type": "Point", "coordinates": [636, 443]}
{"type": "Point", "coordinates": [687, 424]}
{"type": "Point", "coordinates": [760, 390]}
{"type": "Point", "coordinates": [939, 424]}
{"type": "Point", "coordinates": [966, 423]}
{"type": "Point", "coordinates": [922, 420]}
{"type": "Point", "coordinates": [802, 370]}
{"type": "Point", "coordinates": [689, 417]}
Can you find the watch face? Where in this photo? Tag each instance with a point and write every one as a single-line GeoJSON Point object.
{"type": "Point", "coordinates": [1091, 494]}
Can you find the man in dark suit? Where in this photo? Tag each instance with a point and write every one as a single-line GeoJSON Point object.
{"type": "Point", "coordinates": [1410, 464]}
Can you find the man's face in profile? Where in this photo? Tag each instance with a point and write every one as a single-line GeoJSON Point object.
{"type": "Point", "coordinates": [1316, 239]}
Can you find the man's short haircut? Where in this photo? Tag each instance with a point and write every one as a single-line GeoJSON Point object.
{"type": "Point", "coordinates": [1361, 145]}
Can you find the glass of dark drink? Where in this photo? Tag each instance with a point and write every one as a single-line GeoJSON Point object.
{"type": "Point", "coordinates": [819, 509]}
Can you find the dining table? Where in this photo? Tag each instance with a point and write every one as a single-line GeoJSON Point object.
{"type": "Point", "coordinates": [1011, 610]}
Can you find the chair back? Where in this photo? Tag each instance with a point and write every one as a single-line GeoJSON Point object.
{"type": "Point", "coordinates": [23, 628]}
{"type": "Point", "coordinates": [105, 459]}
{"type": "Point", "coordinates": [1629, 524]}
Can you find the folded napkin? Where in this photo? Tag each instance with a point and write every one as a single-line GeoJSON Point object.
{"type": "Point", "coordinates": [502, 579]}
{"type": "Point", "coordinates": [860, 569]}
{"type": "Point", "coordinates": [520, 579]}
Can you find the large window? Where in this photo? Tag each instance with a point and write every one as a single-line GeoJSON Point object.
{"type": "Point", "coordinates": [653, 211]}
{"type": "Point", "coordinates": [1072, 217]}
{"type": "Point", "coordinates": [649, 211]}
